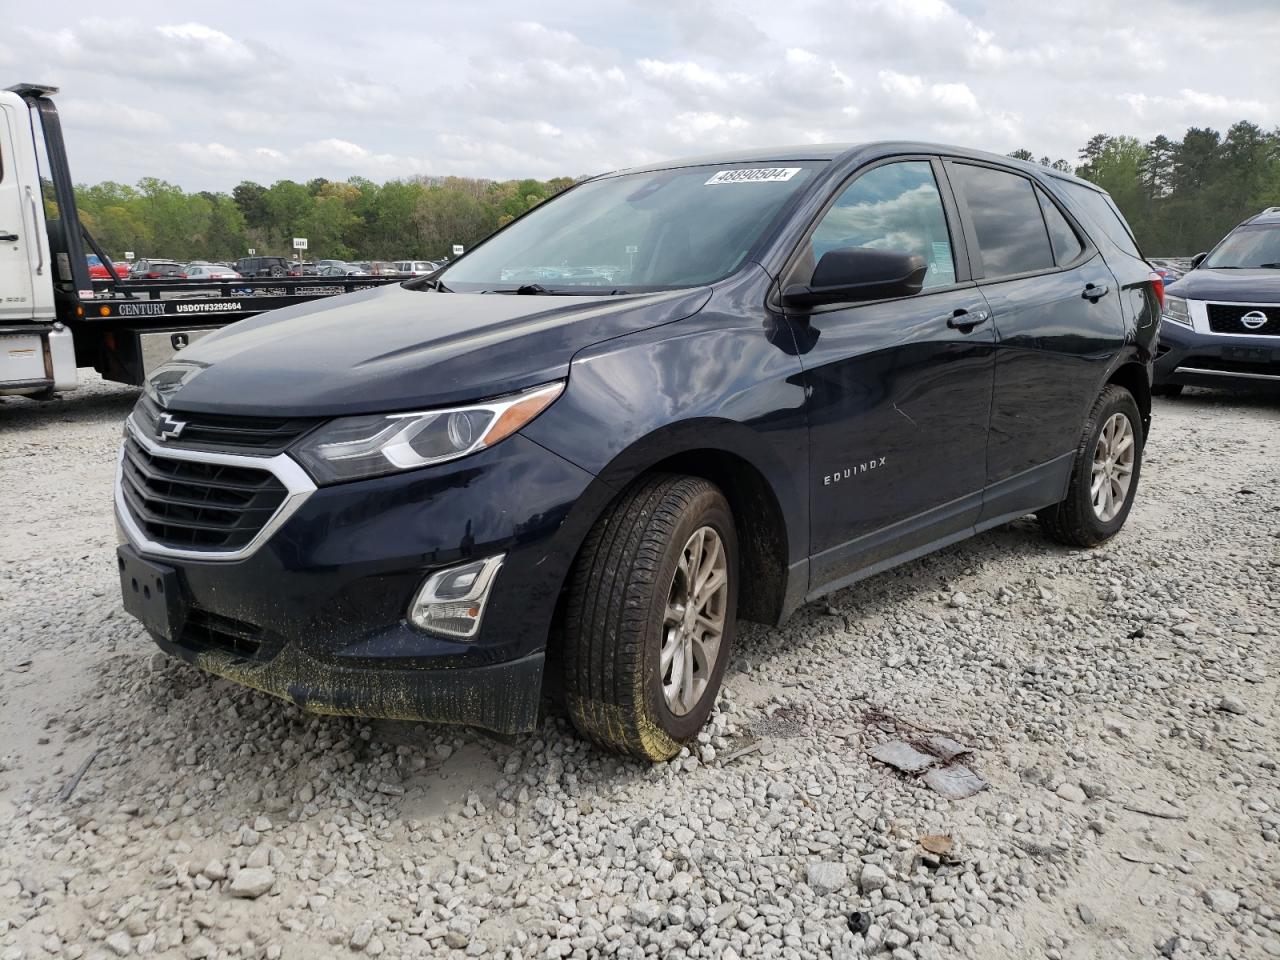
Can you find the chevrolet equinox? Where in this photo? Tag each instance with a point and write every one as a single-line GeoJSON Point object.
{"type": "Point", "coordinates": [665, 399]}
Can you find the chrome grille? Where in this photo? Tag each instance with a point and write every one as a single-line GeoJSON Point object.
{"type": "Point", "coordinates": [188, 504]}
{"type": "Point", "coordinates": [250, 435]}
{"type": "Point", "coordinates": [1226, 318]}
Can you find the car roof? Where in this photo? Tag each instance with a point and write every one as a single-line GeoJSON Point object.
{"type": "Point", "coordinates": [850, 152]}
{"type": "Point", "coordinates": [1269, 215]}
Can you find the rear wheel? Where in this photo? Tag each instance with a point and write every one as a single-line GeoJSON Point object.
{"type": "Point", "coordinates": [651, 615]}
{"type": "Point", "coordinates": [1104, 477]}
{"type": "Point", "coordinates": [277, 271]}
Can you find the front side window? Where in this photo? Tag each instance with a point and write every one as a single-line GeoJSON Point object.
{"type": "Point", "coordinates": [683, 227]}
{"type": "Point", "coordinates": [1247, 248]}
{"type": "Point", "coordinates": [1006, 216]}
{"type": "Point", "coordinates": [44, 169]}
{"type": "Point", "coordinates": [896, 207]}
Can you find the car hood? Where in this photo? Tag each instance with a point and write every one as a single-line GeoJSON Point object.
{"type": "Point", "coordinates": [390, 348]}
{"type": "Point", "coordinates": [1232, 286]}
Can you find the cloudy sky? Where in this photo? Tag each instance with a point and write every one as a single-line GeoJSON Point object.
{"type": "Point", "coordinates": [206, 95]}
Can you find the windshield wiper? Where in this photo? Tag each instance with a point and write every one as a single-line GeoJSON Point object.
{"type": "Point", "coordinates": [1270, 266]}
{"type": "Point", "coordinates": [537, 289]}
{"type": "Point", "coordinates": [525, 289]}
{"type": "Point", "coordinates": [429, 283]}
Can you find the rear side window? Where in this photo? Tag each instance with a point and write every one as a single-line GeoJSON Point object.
{"type": "Point", "coordinates": [1066, 245]}
{"type": "Point", "coordinates": [1012, 237]}
{"type": "Point", "coordinates": [1104, 213]}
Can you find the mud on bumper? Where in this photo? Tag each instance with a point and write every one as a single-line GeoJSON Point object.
{"type": "Point", "coordinates": [502, 697]}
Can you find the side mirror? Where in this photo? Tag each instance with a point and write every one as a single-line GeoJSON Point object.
{"type": "Point", "coordinates": [857, 273]}
{"type": "Point", "coordinates": [1197, 260]}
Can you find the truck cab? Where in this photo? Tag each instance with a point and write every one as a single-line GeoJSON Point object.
{"type": "Point", "coordinates": [55, 317]}
{"type": "Point", "coordinates": [37, 354]}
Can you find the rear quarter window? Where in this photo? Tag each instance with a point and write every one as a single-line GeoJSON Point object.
{"type": "Point", "coordinates": [1101, 210]}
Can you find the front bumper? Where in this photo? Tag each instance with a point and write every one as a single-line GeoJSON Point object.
{"type": "Point", "coordinates": [316, 612]}
{"type": "Point", "coordinates": [503, 697]}
{"type": "Point", "coordinates": [1194, 358]}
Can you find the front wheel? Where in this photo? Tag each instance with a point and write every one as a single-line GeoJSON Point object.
{"type": "Point", "coordinates": [1104, 476]}
{"type": "Point", "coordinates": [651, 616]}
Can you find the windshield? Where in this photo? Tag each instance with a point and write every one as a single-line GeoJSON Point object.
{"type": "Point", "coordinates": [1248, 247]}
{"type": "Point", "coordinates": [642, 231]}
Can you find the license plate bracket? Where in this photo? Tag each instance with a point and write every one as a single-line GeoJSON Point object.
{"type": "Point", "coordinates": [1248, 354]}
{"type": "Point", "coordinates": [152, 593]}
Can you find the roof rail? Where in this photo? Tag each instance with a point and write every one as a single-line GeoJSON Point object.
{"type": "Point", "coordinates": [33, 89]}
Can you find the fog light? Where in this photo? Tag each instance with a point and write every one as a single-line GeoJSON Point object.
{"type": "Point", "coordinates": [451, 602]}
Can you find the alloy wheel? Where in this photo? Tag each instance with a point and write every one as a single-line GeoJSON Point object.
{"type": "Point", "coordinates": [1113, 460]}
{"type": "Point", "coordinates": [693, 623]}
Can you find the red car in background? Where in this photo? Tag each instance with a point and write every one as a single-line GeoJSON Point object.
{"type": "Point", "coordinates": [98, 270]}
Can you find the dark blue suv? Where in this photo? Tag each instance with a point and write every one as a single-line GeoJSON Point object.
{"type": "Point", "coordinates": [1222, 318]}
{"type": "Point", "coordinates": [666, 399]}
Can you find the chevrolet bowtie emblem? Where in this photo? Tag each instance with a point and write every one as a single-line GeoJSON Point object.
{"type": "Point", "coordinates": [168, 427]}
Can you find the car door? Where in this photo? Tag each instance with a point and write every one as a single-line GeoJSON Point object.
{"type": "Point", "coordinates": [898, 390]}
{"type": "Point", "coordinates": [1057, 320]}
{"type": "Point", "coordinates": [17, 233]}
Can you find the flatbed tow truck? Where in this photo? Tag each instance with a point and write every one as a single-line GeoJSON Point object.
{"type": "Point", "coordinates": [55, 318]}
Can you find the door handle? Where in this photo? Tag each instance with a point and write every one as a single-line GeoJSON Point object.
{"type": "Point", "coordinates": [8, 237]}
{"type": "Point", "coordinates": [1095, 291]}
{"type": "Point", "coordinates": [965, 320]}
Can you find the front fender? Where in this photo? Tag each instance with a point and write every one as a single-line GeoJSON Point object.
{"type": "Point", "coordinates": [711, 382]}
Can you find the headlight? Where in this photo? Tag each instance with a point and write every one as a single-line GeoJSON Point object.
{"type": "Point", "coordinates": [1175, 309]}
{"type": "Point", "coordinates": [357, 447]}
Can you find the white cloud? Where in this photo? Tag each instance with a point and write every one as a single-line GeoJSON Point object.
{"type": "Point", "coordinates": [98, 113]}
{"type": "Point", "coordinates": [212, 95]}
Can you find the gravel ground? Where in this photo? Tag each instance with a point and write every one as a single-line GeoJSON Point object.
{"type": "Point", "coordinates": [1122, 704]}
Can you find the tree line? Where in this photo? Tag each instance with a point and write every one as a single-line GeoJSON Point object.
{"type": "Point", "coordinates": [416, 218]}
{"type": "Point", "coordinates": [1180, 196]}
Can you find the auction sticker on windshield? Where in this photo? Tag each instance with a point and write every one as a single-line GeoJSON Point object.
{"type": "Point", "coordinates": [754, 175]}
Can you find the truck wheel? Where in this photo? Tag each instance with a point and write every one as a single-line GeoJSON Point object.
{"type": "Point", "coordinates": [277, 271]}
{"type": "Point", "coordinates": [651, 613]}
{"type": "Point", "coordinates": [1104, 477]}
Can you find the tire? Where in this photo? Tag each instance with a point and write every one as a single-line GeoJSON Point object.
{"type": "Point", "coordinates": [1075, 520]}
{"type": "Point", "coordinates": [277, 271]}
{"type": "Point", "coordinates": [1166, 390]}
{"type": "Point", "coordinates": [629, 569]}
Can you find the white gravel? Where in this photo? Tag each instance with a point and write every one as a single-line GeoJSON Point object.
{"type": "Point", "coordinates": [1122, 703]}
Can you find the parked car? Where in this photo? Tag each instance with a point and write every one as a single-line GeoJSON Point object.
{"type": "Point", "coordinates": [416, 268]}
{"type": "Point", "coordinates": [383, 268]}
{"type": "Point", "coordinates": [156, 269]}
{"type": "Point", "coordinates": [337, 268]}
{"type": "Point", "coordinates": [813, 364]}
{"type": "Point", "coordinates": [264, 267]}
{"type": "Point", "coordinates": [1170, 270]}
{"type": "Point", "coordinates": [98, 270]}
{"type": "Point", "coordinates": [210, 271]}
{"type": "Point", "coordinates": [1222, 318]}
